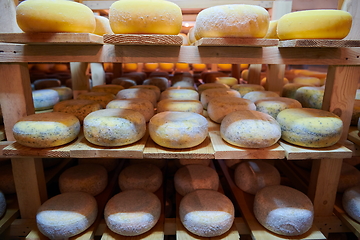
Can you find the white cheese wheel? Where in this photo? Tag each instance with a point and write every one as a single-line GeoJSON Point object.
{"type": "Point", "coordinates": [7, 183]}
{"type": "Point", "coordinates": [310, 97]}
{"type": "Point", "coordinates": [351, 202]}
{"type": "Point", "coordinates": [180, 94]}
{"type": "Point", "coordinates": [55, 16]}
{"type": "Point", "coordinates": [144, 176]}
{"type": "Point", "coordinates": [309, 127]}
{"type": "Point", "coordinates": [65, 93]}
{"type": "Point", "coordinates": [209, 94]}
{"type": "Point", "coordinates": [219, 107]}
{"type": "Point", "coordinates": [206, 213]}
{"type": "Point", "coordinates": [143, 106]}
{"type": "Point", "coordinates": [251, 176]}
{"type": "Point", "coordinates": [257, 95]}
{"type": "Point", "coordinates": [114, 127]}
{"type": "Point", "coordinates": [2, 204]}
{"type": "Point", "coordinates": [138, 93]}
{"type": "Point", "coordinates": [49, 129]}
{"type": "Point", "coordinates": [274, 105]}
{"type": "Point", "coordinates": [154, 17]}
{"type": "Point", "coordinates": [233, 20]}
{"type": "Point", "coordinates": [66, 215]}
{"type": "Point", "coordinates": [179, 106]}
{"type": "Point", "coordinates": [108, 163]}
{"type": "Point", "coordinates": [250, 129]}
{"type": "Point", "coordinates": [245, 88]}
{"type": "Point", "coordinates": [132, 212]}
{"type": "Point", "coordinates": [160, 82]}
{"type": "Point", "coordinates": [178, 129]}
{"type": "Point", "coordinates": [195, 176]}
{"type": "Point", "coordinates": [151, 87]}
{"type": "Point", "coordinates": [90, 178]}
{"type": "Point", "coordinates": [205, 86]}
{"type": "Point", "coordinates": [107, 88]}
{"type": "Point", "coordinates": [101, 97]}
{"type": "Point", "coordinates": [102, 26]}
{"type": "Point", "coordinates": [349, 177]}
{"type": "Point", "coordinates": [45, 99]}
{"type": "Point", "coordinates": [283, 210]}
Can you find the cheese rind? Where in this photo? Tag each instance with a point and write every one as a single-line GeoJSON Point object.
{"type": "Point", "coordinates": [101, 97]}
{"type": "Point", "coordinates": [245, 88]}
{"type": "Point", "coordinates": [209, 94]}
{"type": "Point", "coordinates": [144, 93]}
{"type": "Point", "coordinates": [310, 97]}
{"type": "Point", "coordinates": [143, 106]}
{"type": "Point", "coordinates": [274, 105]}
{"type": "Point", "coordinates": [174, 105]}
{"type": "Point", "coordinates": [79, 108]}
{"type": "Point", "coordinates": [257, 95]}
{"type": "Point", "coordinates": [107, 88]}
{"type": "Point", "coordinates": [45, 99]}
{"type": "Point", "coordinates": [180, 94]}
{"type": "Point", "coordinates": [351, 202]}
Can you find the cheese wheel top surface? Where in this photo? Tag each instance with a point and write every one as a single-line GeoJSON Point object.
{"type": "Point", "coordinates": [108, 88]}
{"type": "Point", "coordinates": [176, 105]}
{"type": "Point", "coordinates": [80, 108]}
{"type": "Point", "coordinates": [144, 106]}
{"type": "Point", "coordinates": [180, 94]}
{"type": "Point", "coordinates": [101, 97]}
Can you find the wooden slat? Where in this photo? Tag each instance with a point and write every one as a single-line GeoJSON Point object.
{"type": "Point", "coordinates": [143, 39]}
{"type": "Point", "coordinates": [236, 41]}
{"type": "Point", "coordinates": [324, 43]}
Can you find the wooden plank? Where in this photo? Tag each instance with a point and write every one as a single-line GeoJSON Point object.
{"type": "Point", "coordinates": [2, 133]}
{"type": "Point", "coordinates": [254, 74]}
{"type": "Point", "coordinates": [79, 78]}
{"type": "Point", "coordinates": [51, 38]}
{"type": "Point", "coordinates": [293, 152]}
{"type": "Point", "coordinates": [236, 41]}
{"type": "Point", "coordinates": [275, 78]}
{"type": "Point", "coordinates": [323, 43]}
{"type": "Point", "coordinates": [143, 39]}
{"type": "Point", "coordinates": [11, 213]}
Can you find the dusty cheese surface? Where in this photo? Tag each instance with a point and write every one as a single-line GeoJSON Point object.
{"type": "Point", "coordinates": [180, 94]}
{"type": "Point", "coordinates": [209, 94]}
{"type": "Point", "coordinates": [274, 105]}
{"type": "Point", "coordinates": [205, 86]}
{"type": "Point", "coordinates": [151, 87]}
{"type": "Point", "coordinates": [143, 106]}
{"type": "Point", "coordinates": [257, 95]}
{"type": "Point", "coordinates": [310, 97]}
{"type": "Point", "coordinates": [351, 202]}
{"type": "Point", "coordinates": [175, 105]}
{"type": "Point", "coordinates": [138, 93]}
{"type": "Point", "coordinates": [245, 88]}
{"type": "Point", "coordinates": [65, 93]}
{"type": "Point", "coordinates": [108, 88]}
{"type": "Point", "coordinates": [289, 89]}
{"type": "Point", "coordinates": [45, 130]}
{"type": "Point", "coordinates": [45, 99]}
{"type": "Point", "coordinates": [101, 97]}
{"type": "Point", "coordinates": [79, 108]}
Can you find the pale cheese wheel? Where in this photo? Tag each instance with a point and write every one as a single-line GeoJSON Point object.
{"type": "Point", "coordinates": [55, 16]}
{"type": "Point", "coordinates": [144, 176]}
{"type": "Point", "coordinates": [108, 163]}
{"type": "Point", "coordinates": [306, 80]}
{"type": "Point", "coordinates": [151, 87]}
{"type": "Point", "coordinates": [314, 24]}
{"type": "Point", "coordinates": [349, 177]}
{"type": "Point", "coordinates": [251, 176]}
{"type": "Point", "coordinates": [174, 105]}
{"type": "Point", "coordinates": [257, 95]}
{"type": "Point", "coordinates": [7, 183]}
{"type": "Point", "coordinates": [310, 97]}
{"type": "Point", "coordinates": [132, 212]}
{"type": "Point", "coordinates": [233, 20]}
{"type": "Point", "coordinates": [219, 107]}
{"type": "Point", "coordinates": [66, 215]}
{"type": "Point", "coordinates": [180, 94]}
{"type": "Point", "coordinates": [351, 202]}
{"type": "Point", "coordinates": [65, 93]}
{"type": "Point", "coordinates": [289, 89]}
{"type": "Point", "coordinates": [2, 204]}
{"type": "Point", "coordinates": [154, 17]}
{"type": "Point", "coordinates": [206, 213]}
{"type": "Point", "coordinates": [209, 94]}
{"type": "Point", "coordinates": [310, 127]}
{"type": "Point", "coordinates": [45, 99]}
{"type": "Point", "coordinates": [211, 76]}
{"type": "Point", "coordinates": [245, 88]}
{"type": "Point", "coordinates": [90, 178]}
{"type": "Point", "coordinates": [178, 129]}
{"type": "Point", "coordinates": [101, 97]}
{"type": "Point", "coordinates": [107, 88]}
{"type": "Point", "coordinates": [274, 105]}
{"type": "Point", "coordinates": [79, 108]}
{"type": "Point", "coordinates": [161, 82]}
{"type": "Point", "coordinates": [114, 127]}
{"type": "Point", "coordinates": [283, 210]}
{"type": "Point", "coordinates": [44, 130]}
{"type": "Point", "coordinates": [102, 26]}
{"type": "Point", "coordinates": [144, 93]}
{"type": "Point", "coordinates": [143, 106]}
{"type": "Point", "coordinates": [195, 176]}
{"type": "Point", "coordinates": [205, 86]}
{"type": "Point", "coordinates": [250, 129]}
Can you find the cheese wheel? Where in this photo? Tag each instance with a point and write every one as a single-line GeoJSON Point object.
{"type": "Point", "coordinates": [245, 88]}
{"type": "Point", "coordinates": [102, 26]}
{"type": "Point", "coordinates": [138, 77]}
{"type": "Point", "coordinates": [65, 93]}
{"type": "Point", "coordinates": [132, 212]}
{"type": "Point", "coordinates": [55, 16]}
{"type": "Point", "coordinates": [289, 89]}
{"type": "Point", "coordinates": [125, 82]}
{"type": "Point", "coordinates": [49, 129]}
{"type": "Point", "coordinates": [198, 67]}
{"type": "Point", "coordinates": [181, 67]}
{"type": "Point", "coordinates": [192, 39]}
{"type": "Point", "coordinates": [144, 176]}
{"type": "Point", "coordinates": [349, 177]}
{"type": "Point", "coordinates": [101, 97]}
{"type": "Point", "coordinates": [144, 93]}
{"type": "Point", "coordinates": [180, 94]}
{"type": "Point", "coordinates": [46, 83]}
{"type": "Point", "coordinates": [310, 97]}
{"type": "Point", "coordinates": [107, 88]}
{"type": "Point", "coordinates": [184, 162]}
{"type": "Point", "coordinates": [143, 106]}
{"type": "Point", "coordinates": [205, 86]}
{"type": "Point", "coordinates": [307, 80]}
{"type": "Point", "coordinates": [309, 127]}
{"type": "Point", "coordinates": [129, 67]}
{"type": "Point", "coordinates": [66, 215]}
{"type": "Point", "coordinates": [356, 113]}
{"type": "Point", "coordinates": [195, 176]}
{"type": "Point", "coordinates": [225, 67]}
{"type": "Point", "coordinates": [2, 204]}
{"type": "Point", "coordinates": [174, 105]}
{"type": "Point", "coordinates": [274, 105]}
{"type": "Point", "coordinates": [7, 183]}
{"type": "Point", "coordinates": [151, 87]}
{"type": "Point", "coordinates": [233, 20]}
{"type": "Point", "coordinates": [219, 107]}
{"type": "Point", "coordinates": [314, 24]}
{"type": "Point", "coordinates": [257, 95]}
{"type": "Point", "coordinates": [250, 129]}
{"type": "Point", "coordinates": [114, 127]}
{"type": "Point", "coordinates": [245, 74]}
{"type": "Point", "coordinates": [206, 213]}
{"type": "Point", "coordinates": [210, 77]}
{"type": "Point", "coordinates": [283, 210]}
{"type": "Point", "coordinates": [167, 67]}
{"type": "Point", "coordinates": [230, 81]}
{"type": "Point", "coordinates": [79, 108]}
{"type": "Point", "coordinates": [161, 82]}
{"type": "Point", "coordinates": [45, 99]}
{"type": "Point", "coordinates": [150, 67]}
{"type": "Point", "coordinates": [108, 163]}
{"type": "Point", "coordinates": [178, 129]}
{"type": "Point", "coordinates": [154, 17]}
{"type": "Point", "coordinates": [209, 94]}
{"type": "Point", "coordinates": [90, 178]}
{"type": "Point", "coordinates": [272, 30]}
{"type": "Point", "coordinates": [251, 176]}
{"type": "Point", "coordinates": [351, 202]}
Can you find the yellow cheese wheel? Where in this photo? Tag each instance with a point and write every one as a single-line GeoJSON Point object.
{"type": "Point", "coordinates": [150, 67]}
{"type": "Point", "coordinates": [209, 94]}
{"type": "Point", "coordinates": [125, 82]}
{"type": "Point", "coordinates": [130, 67]}
{"type": "Point", "coordinates": [101, 97]}
{"type": "Point", "coordinates": [143, 106]}
{"type": "Point", "coordinates": [167, 67]}
{"type": "Point", "coordinates": [108, 88]}
{"type": "Point", "coordinates": [307, 80]}
{"type": "Point", "coordinates": [55, 16]}
{"type": "Point", "coordinates": [153, 17]}
{"type": "Point", "coordinates": [272, 31]}
{"type": "Point", "coordinates": [198, 67]}
{"type": "Point", "coordinates": [181, 67]}
{"type": "Point", "coordinates": [230, 81]}
{"type": "Point", "coordinates": [274, 105]}
{"type": "Point", "coordinates": [233, 20]}
{"type": "Point", "coordinates": [245, 88]}
{"type": "Point", "coordinates": [65, 93]}
{"type": "Point", "coordinates": [191, 35]}
{"type": "Point", "coordinates": [310, 127]}
{"type": "Point", "coordinates": [289, 89]}
{"type": "Point", "coordinates": [175, 105]}
{"type": "Point", "coordinates": [314, 24]}
{"type": "Point", "coordinates": [226, 67]}
{"type": "Point", "coordinates": [310, 97]}
{"type": "Point", "coordinates": [79, 108]}
{"type": "Point", "coordinates": [102, 26]}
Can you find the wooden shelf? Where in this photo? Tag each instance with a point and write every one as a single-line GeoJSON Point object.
{"type": "Point", "coordinates": [353, 225]}
{"type": "Point", "coordinates": [143, 39]}
{"type": "Point", "coordinates": [323, 43]}
{"type": "Point", "coordinates": [236, 41]}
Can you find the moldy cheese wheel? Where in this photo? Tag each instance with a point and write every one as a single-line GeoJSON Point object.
{"type": "Point", "coordinates": [153, 17]}
{"type": "Point", "coordinates": [55, 16]}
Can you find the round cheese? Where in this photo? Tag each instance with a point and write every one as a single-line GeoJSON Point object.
{"type": "Point", "coordinates": [349, 177]}
{"type": "Point", "coordinates": [66, 215]}
{"type": "Point", "coordinates": [205, 86]}
{"type": "Point", "coordinates": [206, 213]}
{"type": "Point", "coordinates": [114, 127]}
{"type": "Point", "coordinates": [154, 17]}
{"type": "Point", "coordinates": [161, 82]}
{"type": "Point", "coordinates": [196, 67]}
{"type": "Point", "coordinates": [180, 94]}
{"type": "Point", "coordinates": [309, 127]}
{"type": "Point", "coordinates": [210, 77]}
{"type": "Point", "coordinates": [132, 212]}
{"type": "Point", "coordinates": [274, 105]}
{"type": "Point", "coordinates": [151, 87]}
{"type": "Point", "coordinates": [49, 129]}
{"type": "Point", "coordinates": [250, 129]}
{"type": "Point", "coordinates": [245, 88]}
{"type": "Point", "coordinates": [184, 162]}
{"type": "Point", "coordinates": [209, 94]}
{"type": "Point", "coordinates": [257, 95]}
{"type": "Point", "coordinates": [305, 80]}
{"type": "Point", "coordinates": [7, 183]}
{"type": "Point", "coordinates": [178, 129]}
{"type": "Point", "coordinates": [45, 99]}
{"type": "Point", "coordinates": [101, 97]}
{"type": "Point", "coordinates": [102, 26]}
{"type": "Point", "coordinates": [289, 89]}
{"type": "Point", "coordinates": [166, 67]}
{"type": "Point", "coordinates": [55, 16]}
{"type": "Point", "coordinates": [351, 202]}
{"type": "Point", "coordinates": [174, 105]}
{"type": "Point", "coordinates": [107, 88]}
{"type": "Point", "coordinates": [125, 82]}
{"type": "Point", "coordinates": [310, 97]}
{"type": "Point", "coordinates": [108, 163]}
{"type": "Point", "coordinates": [230, 81]}
{"type": "Point", "coordinates": [143, 93]}
{"type": "Point", "coordinates": [65, 93]}
{"type": "Point", "coordinates": [143, 106]}
{"type": "Point", "coordinates": [2, 204]}
{"type": "Point", "coordinates": [272, 30]}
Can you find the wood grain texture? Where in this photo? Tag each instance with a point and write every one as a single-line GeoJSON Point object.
{"type": "Point", "coordinates": [143, 39]}
{"type": "Point", "coordinates": [275, 78]}
{"type": "Point", "coordinates": [236, 41]}
{"type": "Point", "coordinates": [323, 43]}
{"type": "Point", "coordinates": [254, 74]}
{"type": "Point", "coordinates": [349, 222]}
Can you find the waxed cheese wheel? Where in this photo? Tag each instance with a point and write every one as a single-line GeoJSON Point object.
{"type": "Point", "coordinates": [45, 99]}
{"type": "Point", "coordinates": [209, 94]}
{"type": "Point", "coordinates": [114, 127]}
{"type": "Point", "coordinates": [245, 88]}
{"type": "Point", "coordinates": [211, 76]}
{"type": "Point", "coordinates": [143, 106]}
{"type": "Point", "coordinates": [55, 16]}
{"type": "Point", "coordinates": [310, 127]}
{"type": "Point", "coordinates": [151, 87]}
{"type": "Point", "coordinates": [349, 177]}
{"type": "Point", "coordinates": [179, 106]}
{"type": "Point", "coordinates": [250, 129]}
{"type": "Point", "coordinates": [66, 215]}
{"type": "Point", "coordinates": [251, 176]}
{"type": "Point", "coordinates": [314, 24]}
{"type": "Point", "coordinates": [144, 176]}
{"type": "Point", "coordinates": [274, 105]}
{"type": "Point", "coordinates": [205, 86]}
{"type": "Point", "coordinates": [65, 93]}
{"type": "Point", "coordinates": [101, 97]}
{"type": "Point", "coordinates": [154, 17]}
{"type": "Point", "coordinates": [257, 95]}
{"type": "Point", "coordinates": [195, 176]}
{"type": "Point", "coordinates": [2, 204]}
{"type": "Point", "coordinates": [108, 88]}
{"type": "Point", "coordinates": [351, 202]}
{"type": "Point", "coordinates": [310, 97]}
{"type": "Point", "coordinates": [206, 213]}
{"type": "Point", "coordinates": [233, 20]}
{"type": "Point", "coordinates": [132, 212]}
{"type": "Point", "coordinates": [283, 210]}
{"type": "Point", "coordinates": [79, 108]}
{"type": "Point", "coordinates": [180, 94]}
{"type": "Point", "coordinates": [138, 93]}
{"type": "Point", "coordinates": [219, 107]}
{"type": "Point", "coordinates": [49, 129]}
{"type": "Point", "coordinates": [90, 178]}
{"type": "Point", "coordinates": [178, 129]}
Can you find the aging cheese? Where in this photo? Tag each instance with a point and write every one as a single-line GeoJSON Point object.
{"type": "Point", "coordinates": [305, 80]}
{"type": "Point", "coordinates": [230, 81]}
{"type": "Point", "coordinates": [151, 87]}
{"type": "Point", "coordinates": [309, 127]}
{"type": "Point", "coordinates": [143, 106]}
{"type": "Point", "coordinates": [274, 105]}
{"type": "Point", "coordinates": [79, 108]}
{"type": "Point", "coordinates": [45, 99]}
{"type": "Point", "coordinates": [205, 86]}
{"type": "Point", "coordinates": [101, 97]}
{"type": "Point", "coordinates": [161, 82]}
{"type": "Point", "coordinates": [125, 82]}
{"type": "Point", "coordinates": [144, 93]}
{"type": "Point", "coordinates": [310, 97]}
{"type": "Point", "coordinates": [289, 89]}
{"type": "Point", "coordinates": [102, 26]}
{"type": "Point", "coordinates": [349, 177]}
{"type": "Point", "coordinates": [108, 163]}
{"type": "Point", "coordinates": [107, 88]}
{"type": "Point", "coordinates": [174, 105]}
{"type": "Point", "coordinates": [272, 31]}
{"type": "Point", "coordinates": [209, 94]}
{"type": "Point", "coordinates": [245, 88]}
{"type": "Point", "coordinates": [65, 93]}
{"type": "Point", "coordinates": [180, 94]}
{"type": "Point", "coordinates": [351, 202]}
{"type": "Point", "coordinates": [257, 95]}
